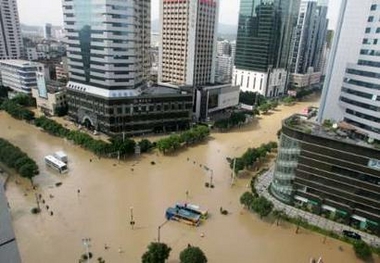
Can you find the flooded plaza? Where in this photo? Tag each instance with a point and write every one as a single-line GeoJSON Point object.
{"type": "Point", "coordinates": [111, 190]}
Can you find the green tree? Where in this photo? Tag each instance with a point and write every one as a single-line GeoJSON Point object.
{"type": "Point", "coordinates": [262, 206]}
{"type": "Point", "coordinates": [28, 170]}
{"type": "Point", "coordinates": [252, 98]}
{"type": "Point", "coordinates": [13, 157]}
{"type": "Point", "coordinates": [253, 188]}
{"type": "Point", "coordinates": [156, 253]}
{"type": "Point", "coordinates": [239, 164]}
{"type": "Point", "coordinates": [192, 255]}
{"type": "Point", "coordinates": [362, 250]}
{"type": "Point", "coordinates": [163, 145]}
{"type": "Point", "coordinates": [265, 108]}
{"type": "Point", "coordinates": [145, 145]}
{"type": "Point", "coordinates": [273, 104]}
{"type": "Point", "coordinates": [247, 199]}
{"type": "Point", "coordinates": [61, 110]}
{"type": "Point", "coordinates": [288, 100]}
{"type": "Point", "coordinates": [23, 100]}
{"type": "Point", "coordinates": [255, 112]}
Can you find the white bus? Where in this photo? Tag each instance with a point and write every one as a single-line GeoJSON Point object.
{"type": "Point", "coordinates": [62, 156]}
{"type": "Point", "coordinates": [56, 164]}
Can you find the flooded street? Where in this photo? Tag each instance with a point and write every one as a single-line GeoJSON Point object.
{"type": "Point", "coordinates": [109, 190]}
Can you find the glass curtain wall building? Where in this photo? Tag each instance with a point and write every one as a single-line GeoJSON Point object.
{"type": "Point", "coordinates": [265, 30]}
{"type": "Point", "coordinates": [335, 174]}
{"type": "Point", "coordinates": [108, 56]}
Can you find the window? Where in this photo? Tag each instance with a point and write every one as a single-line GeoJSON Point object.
{"type": "Point", "coordinates": [373, 7]}
{"type": "Point", "coordinates": [368, 30]}
{"type": "Point", "coordinates": [378, 30]}
{"type": "Point", "coordinates": [370, 19]}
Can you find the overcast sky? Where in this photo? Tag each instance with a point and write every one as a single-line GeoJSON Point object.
{"type": "Point", "coordinates": [39, 12]}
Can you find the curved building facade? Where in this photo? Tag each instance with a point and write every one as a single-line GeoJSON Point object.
{"type": "Point", "coordinates": [329, 171]}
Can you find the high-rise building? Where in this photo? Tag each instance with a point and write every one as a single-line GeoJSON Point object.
{"type": "Point", "coordinates": [48, 31]}
{"type": "Point", "coordinates": [308, 45]}
{"type": "Point", "coordinates": [224, 67]}
{"type": "Point", "coordinates": [352, 86]}
{"type": "Point", "coordinates": [223, 47]}
{"type": "Point", "coordinates": [309, 37]}
{"type": "Point", "coordinates": [10, 32]}
{"type": "Point", "coordinates": [263, 45]}
{"type": "Point", "coordinates": [188, 41]}
{"type": "Point", "coordinates": [108, 50]}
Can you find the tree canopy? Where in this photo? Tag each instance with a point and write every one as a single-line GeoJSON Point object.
{"type": "Point", "coordinates": [192, 255]}
{"type": "Point", "coordinates": [251, 98]}
{"type": "Point", "coordinates": [362, 250]}
{"type": "Point", "coordinates": [13, 157]}
{"type": "Point", "coordinates": [156, 253]}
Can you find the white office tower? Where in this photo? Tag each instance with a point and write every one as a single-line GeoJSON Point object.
{"type": "Point", "coordinates": [188, 41]}
{"type": "Point", "coordinates": [107, 45]}
{"type": "Point", "coordinates": [11, 46]}
{"type": "Point", "coordinates": [352, 87]}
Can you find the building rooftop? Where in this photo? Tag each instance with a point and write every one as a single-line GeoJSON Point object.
{"type": "Point", "coordinates": [342, 132]}
{"type": "Point", "coordinates": [55, 86]}
{"type": "Point", "coordinates": [8, 246]}
{"type": "Point", "coordinates": [161, 90]}
{"type": "Point", "coordinates": [20, 63]}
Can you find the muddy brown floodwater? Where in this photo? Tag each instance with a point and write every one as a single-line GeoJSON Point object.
{"type": "Point", "coordinates": [108, 190]}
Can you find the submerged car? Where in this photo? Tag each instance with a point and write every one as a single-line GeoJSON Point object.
{"type": "Point", "coordinates": [351, 234]}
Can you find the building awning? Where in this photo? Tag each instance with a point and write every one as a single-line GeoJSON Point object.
{"type": "Point", "coordinates": [313, 202]}
{"type": "Point", "coordinates": [341, 212]}
{"type": "Point", "coordinates": [372, 223]}
{"type": "Point", "coordinates": [329, 208]}
{"type": "Point", "coordinates": [359, 218]}
{"type": "Point", "coordinates": [300, 198]}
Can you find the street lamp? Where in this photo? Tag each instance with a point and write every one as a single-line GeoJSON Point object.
{"type": "Point", "coordinates": [211, 177]}
{"type": "Point", "coordinates": [159, 231]}
{"type": "Point", "coordinates": [132, 222]}
{"type": "Point", "coordinates": [38, 201]}
{"type": "Point", "coordinates": [86, 243]}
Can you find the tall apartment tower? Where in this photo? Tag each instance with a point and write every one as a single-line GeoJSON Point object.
{"type": "Point", "coordinates": [352, 87]}
{"type": "Point", "coordinates": [48, 31]}
{"type": "Point", "coordinates": [188, 41]}
{"type": "Point", "coordinates": [263, 45]}
{"type": "Point", "coordinates": [309, 38]}
{"type": "Point", "coordinates": [108, 57]}
{"type": "Point", "coordinates": [11, 46]}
